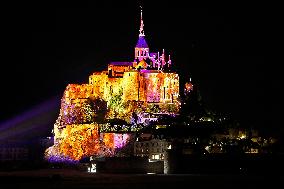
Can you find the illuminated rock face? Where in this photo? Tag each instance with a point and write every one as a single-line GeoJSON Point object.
{"type": "Point", "coordinates": [84, 140]}
{"type": "Point", "coordinates": [118, 92]}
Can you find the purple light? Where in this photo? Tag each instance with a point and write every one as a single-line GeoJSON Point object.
{"type": "Point", "coordinates": [120, 140]}
{"type": "Point", "coordinates": [39, 118]}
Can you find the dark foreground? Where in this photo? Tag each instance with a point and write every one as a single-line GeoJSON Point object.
{"type": "Point", "coordinates": [52, 178]}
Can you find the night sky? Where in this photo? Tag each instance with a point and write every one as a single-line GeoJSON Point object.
{"type": "Point", "coordinates": [224, 51]}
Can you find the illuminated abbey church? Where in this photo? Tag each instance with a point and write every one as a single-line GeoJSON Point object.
{"type": "Point", "coordinates": [146, 79]}
{"type": "Point", "coordinates": [125, 89]}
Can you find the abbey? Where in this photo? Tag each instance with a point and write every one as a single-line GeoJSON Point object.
{"type": "Point", "coordinates": [135, 92]}
{"type": "Point", "coordinates": [148, 78]}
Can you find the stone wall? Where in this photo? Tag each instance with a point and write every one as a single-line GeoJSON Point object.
{"type": "Point", "coordinates": [129, 165]}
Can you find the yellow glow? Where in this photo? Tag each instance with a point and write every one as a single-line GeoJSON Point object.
{"type": "Point", "coordinates": [243, 136]}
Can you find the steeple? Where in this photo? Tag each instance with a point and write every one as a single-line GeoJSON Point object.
{"type": "Point", "coordinates": [141, 43]}
{"type": "Point", "coordinates": [141, 48]}
{"type": "Point", "coordinates": [141, 30]}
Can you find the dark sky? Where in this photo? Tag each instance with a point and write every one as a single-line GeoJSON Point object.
{"type": "Point", "coordinates": [223, 50]}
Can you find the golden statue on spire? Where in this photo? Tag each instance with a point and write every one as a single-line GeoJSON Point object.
{"type": "Point", "coordinates": [141, 30]}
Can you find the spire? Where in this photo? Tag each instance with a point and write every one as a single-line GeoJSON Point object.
{"type": "Point", "coordinates": [141, 48]}
{"type": "Point", "coordinates": [141, 30]}
{"type": "Point", "coordinates": [141, 41]}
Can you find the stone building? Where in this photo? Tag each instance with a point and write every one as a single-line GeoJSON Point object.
{"type": "Point", "coordinates": [154, 149]}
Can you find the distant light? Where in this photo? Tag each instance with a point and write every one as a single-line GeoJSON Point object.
{"type": "Point", "coordinates": [156, 156]}
{"type": "Point", "coordinates": [150, 173]}
{"type": "Point", "coordinates": [243, 136]}
{"type": "Point", "coordinates": [93, 168]}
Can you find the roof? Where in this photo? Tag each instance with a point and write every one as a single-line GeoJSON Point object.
{"type": "Point", "coordinates": [150, 71]}
{"type": "Point", "coordinates": [142, 64]}
{"type": "Point", "coordinates": [121, 63]}
{"type": "Point", "coordinates": [152, 54]}
{"type": "Point", "coordinates": [141, 43]}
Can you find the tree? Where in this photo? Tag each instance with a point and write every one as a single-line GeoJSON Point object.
{"type": "Point", "coordinates": [99, 107]}
{"type": "Point", "coordinates": [192, 106]}
{"type": "Point", "coordinates": [83, 140]}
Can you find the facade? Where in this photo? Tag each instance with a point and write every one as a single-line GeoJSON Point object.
{"type": "Point", "coordinates": [14, 151]}
{"type": "Point", "coordinates": [151, 86]}
{"type": "Point", "coordinates": [154, 149]}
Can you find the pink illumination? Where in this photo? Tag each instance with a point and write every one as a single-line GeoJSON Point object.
{"type": "Point", "coordinates": [120, 140]}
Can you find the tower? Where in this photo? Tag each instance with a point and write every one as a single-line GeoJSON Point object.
{"type": "Point", "coordinates": [141, 48]}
